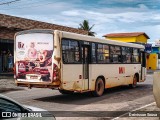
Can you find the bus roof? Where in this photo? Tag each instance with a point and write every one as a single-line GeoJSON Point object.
{"type": "Point", "coordinates": [35, 31]}
{"type": "Point", "coordinates": [99, 40]}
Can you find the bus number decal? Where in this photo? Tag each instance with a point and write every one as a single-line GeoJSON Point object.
{"type": "Point", "coordinates": [121, 70]}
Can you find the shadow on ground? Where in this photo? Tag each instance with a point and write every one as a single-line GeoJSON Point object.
{"type": "Point", "coordinates": [113, 95]}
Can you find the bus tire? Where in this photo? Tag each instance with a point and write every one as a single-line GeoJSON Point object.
{"type": "Point", "coordinates": [134, 84]}
{"type": "Point", "coordinates": [99, 87]}
{"type": "Point", "coordinates": [64, 92]}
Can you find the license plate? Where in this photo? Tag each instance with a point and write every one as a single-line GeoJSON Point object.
{"type": "Point", "coordinates": [33, 77]}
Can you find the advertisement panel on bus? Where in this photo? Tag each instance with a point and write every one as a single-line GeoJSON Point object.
{"type": "Point", "coordinates": [34, 57]}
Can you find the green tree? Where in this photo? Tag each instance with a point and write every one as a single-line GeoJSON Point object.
{"type": "Point", "coordinates": [85, 26]}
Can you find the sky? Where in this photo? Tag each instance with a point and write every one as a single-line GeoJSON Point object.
{"type": "Point", "coordinates": [107, 16]}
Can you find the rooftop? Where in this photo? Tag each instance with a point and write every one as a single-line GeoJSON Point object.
{"type": "Point", "coordinates": [132, 34]}
{"type": "Point", "coordinates": [18, 23]}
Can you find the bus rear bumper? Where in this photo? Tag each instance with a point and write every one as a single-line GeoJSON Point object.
{"type": "Point", "coordinates": [52, 85]}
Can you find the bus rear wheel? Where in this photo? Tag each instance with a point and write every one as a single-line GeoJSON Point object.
{"type": "Point", "coordinates": [134, 84]}
{"type": "Point", "coordinates": [99, 88]}
{"type": "Point", "coordinates": [65, 92]}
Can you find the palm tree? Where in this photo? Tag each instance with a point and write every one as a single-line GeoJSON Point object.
{"type": "Point", "coordinates": [85, 26]}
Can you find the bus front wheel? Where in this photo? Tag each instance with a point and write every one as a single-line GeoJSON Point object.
{"type": "Point", "coordinates": [99, 87]}
{"type": "Point", "coordinates": [134, 84]}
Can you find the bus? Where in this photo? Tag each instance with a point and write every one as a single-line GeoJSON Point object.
{"type": "Point", "coordinates": [72, 62]}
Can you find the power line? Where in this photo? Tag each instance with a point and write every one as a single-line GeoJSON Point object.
{"type": "Point", "coordinates": [23, 3]}
{"type": "Point", "coordinates": [9, 2]}
{"type": "Point", "coordinates": [30, 6]}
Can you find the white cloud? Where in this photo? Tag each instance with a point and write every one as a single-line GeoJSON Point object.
{"type": "Point", "coordinates": [142, 6]}
{"type": "Point", "coordinates": [71, 13]}
{"type": "Point", "coordinates": [106, 19]}
{"type": "Point", "coordinates": [114, 1]}
{"type": "Point", "coordinates": [152, 31]}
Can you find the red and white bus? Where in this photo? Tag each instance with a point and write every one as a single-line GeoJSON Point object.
{"type": "Point", "coordinates": [72, 62]}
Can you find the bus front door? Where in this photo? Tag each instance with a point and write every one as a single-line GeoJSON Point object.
{"type": "Point", "coordinates": [85, 69]}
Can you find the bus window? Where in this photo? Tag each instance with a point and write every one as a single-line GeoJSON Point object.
{"type": "Point", "coordinates": [70, 51]}
{"type": "Point", "coordinates": [103, 53]}
{"type": "Point", "coordinates": [115, 52]}
{"type": "Point", "coordinates": [126, 54]}
{"type": "Point", "coordinates": [93, 53]}
{"type": "Point", "coordinates": [129, 54]}
{"type": "Point", "coordinates": [135, 57]}
{"type": "Point", "coordinates": [124, 57]}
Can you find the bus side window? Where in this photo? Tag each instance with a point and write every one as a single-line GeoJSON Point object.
{"type": "Point", "coordinates": [65, 48]}
{"type": "Point", "coordinates": [103, 53]}
{"type": "Point", "coordinates": [126, 54]}
{"type": "Point", "coordinates": [135, 56]}
{"type": "Point", "coordinates": [115, 53]}
{"type": "Point", "coordinates": [119, 58]}
{"type": "Point", "coordinates": [70, 51]}
{"type": "Point", "coordinates": [93, 53]}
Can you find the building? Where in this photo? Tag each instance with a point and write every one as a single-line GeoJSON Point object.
{"type": "Point", "coordinates": [9, 25]}
{"type": "Point", "coordinates": [154, 57]}
{"type": "Point", "coordinates": [134, 37]}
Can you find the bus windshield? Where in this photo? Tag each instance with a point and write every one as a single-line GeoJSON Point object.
{"type": "Point", "coordinates": [33, 60]}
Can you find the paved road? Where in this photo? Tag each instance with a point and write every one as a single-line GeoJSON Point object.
{"type": "Point", "coordinates": [117, 99]}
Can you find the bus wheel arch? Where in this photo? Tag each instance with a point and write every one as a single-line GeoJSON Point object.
{"type": "Point", "coordinates": [103, 78]}
{"type": "Point", "coordinates": [99, 86]}
{"type": "Point", "coordinates": [137, 75]}
{"type": "Point", "coordinates": [135, 80]}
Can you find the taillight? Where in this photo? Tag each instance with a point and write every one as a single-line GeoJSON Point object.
{"type": "Point", "coordinates": [21, 66]}
{"type": "Point", "coordinates": [55, 72]}
{"type": "Point", "coordinates": [14, 70]}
